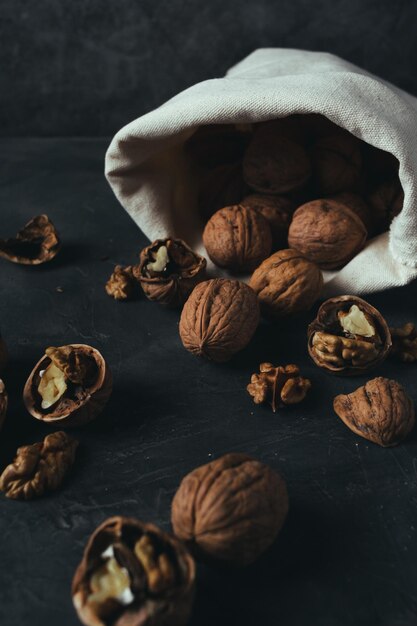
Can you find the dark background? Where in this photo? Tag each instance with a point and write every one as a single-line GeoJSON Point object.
{"type": "Point", "coordinates": [87, 67]}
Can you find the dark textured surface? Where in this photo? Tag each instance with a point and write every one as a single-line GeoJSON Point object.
{"type": "Point", "coordinates": [347, 555]}
{"type": "Point", "coordinates": [87, 67]}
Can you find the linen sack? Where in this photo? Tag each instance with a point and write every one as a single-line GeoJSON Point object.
{"type": "Point", "coordinates": [147, 170]}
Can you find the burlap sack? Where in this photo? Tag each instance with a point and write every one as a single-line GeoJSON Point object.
{"type": "Point", "coordinates": [146, 168]}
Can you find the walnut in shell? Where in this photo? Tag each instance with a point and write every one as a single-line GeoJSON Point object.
{"type": "Point", "coordinates": [348, 336]}
{"type": "Point", "coordinates": [230, 510]}
{"type": "Point", "coordinates": [327, 232]}
{"type": "Point", "coordinates": [69, 386]}
{"type": "Point", "coordinates": [3, 402]}
{"type": "Point", "coordinates": [404, 343]}
{"type": "Point", "coordinates": [386, 201]}
{"type": "Point", "coordinates": [237, 238]}
{"type": "Point", "coordinates": [39, 468]}
{"type": "Point", "coordinates": [38, 242]}
{"type": "Point", "coordinates": [168, 271]}
{"type": "Point", "coordinates": [219, 319]}
{"type": "Point", "coordinates": [279, 386]}
{"type": "Point", "coordinates": [380, 411]}
{"type": "Point", "coordinates": [286, 283]}
{"type": "Point", "coordinates": [133, 574]}
{"type": "Point", "coordinates": [219, 187]}
{"type": "Point", "coordinates": [358, 205]}
{"type": "Point", "coordinates": [277, 210]}
{"type": "Point", "coordinates": [336, 162]}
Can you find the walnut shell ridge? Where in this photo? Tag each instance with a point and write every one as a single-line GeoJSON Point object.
{"type": "Point", "coordinates": [380, 411]}
{"type": "Point", "coordinates": [219, 319]}
{"type": "Point", "coordinates": [230, 510]}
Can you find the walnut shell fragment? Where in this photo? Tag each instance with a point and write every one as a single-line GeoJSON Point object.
{"type": "Point", "coordinates": [133, 574]}
{"type": "Point", "coordinates": [39, 468]}
{"type": "Point", "coordinates": [277, 210]}
{"type": "Point", "coordinates": [168, 271]}
{"type": "Point", "coordinates": [70, 385]}
{"type": "Point", "coordinates": [380, 411]}
{"type": "Point", "coordinates": [286, 283]}
{"type": "Point", "coordinates": [404, 343]}
{"type": "Point", "coordinates": [121, 284]}
{"type": "Point", "coordinates": [37, 242]}
{"type": "Point", "coordinates": [219, 319]}
{"type": "Point", "coordinates": [237, 238]}
{"type": "Point", "coordinates": [348, 336]}
{"type": "Point", "coordinates": [279, 386]}
{"type": "Point", "coordinates": [3, 402]}
{"type": "Point", "coordinates": [230, 510]}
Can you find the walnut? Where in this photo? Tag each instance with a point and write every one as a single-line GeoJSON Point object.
{"type": "Point", "coordinates": [280, 386]}
{"type": "Point", "coordinates": [219, 319]}
{"type": "Point", "coordinates": [404, 343]}
{"type": "Point", "coordinates": [219, 187]}
{"type": "Point", "coordinates": [348, 336]}
{"type": "Point", "coordinates": [274, 163]}
{"type": "Point", "coordinates": [277, 210]}
{"type": "Point", "coordinates": [133, 574]}
{"type": "Point", "coordinates": [39, 468]}
{"type": "Point", "coordinates": [237, 238]}
{"type": "Point", "coordinates": [336, 162]}
{"type": "Point", "coordinates": [386, 201]}
{"type": "Point", "coordinates": [70, 385]}
{"type": "Point", "coordinates": [327, 232]}
{"type": "Point", "coordinates": [358, 205]}
{"type": "Point", "coordinates": [4, 355]}
{"type": "Point", "coordinates": [3, 402]}
{"type": "Point", "coordinates": [38, 242]}
{"type": "Point", "coordinates": [286, 283]}
{"type": "Point", "coordinates": [168, 271]}
{"type": "Point", "coordinates": [121, 284]}
{"type": "Point", "coordinates": [380, 411]}
{"type": "Point", "coordinates": [230, 510]}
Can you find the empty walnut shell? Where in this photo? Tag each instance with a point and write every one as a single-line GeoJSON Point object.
{"type": "Point", "coordinates": [169, 278]}
{"type": "Point", "coordinates": [237, 238]}
{"type": "Point", "coordinates": [286, 283]}
{"type": "Point", "coordinates": [133, 574]}
{"type": "Point", "coordinates": [38, 242]}
{"type": "Point", "coordinates": [230, 510]}
{"type": "Point", "coordinates": [83, 400]}
{"type": "Point", "coordinates": [277, 210]}
{"type": "Point", "coordinates": [219, 319]}
{"type": "Point", "coordinates": [348, 336]}
{"type": "Point", "coordinates": [327, 232]}
{"type": "Point", "coordinates": [336, 162]}
{"type": "Point", "coordinates": [380, 411]}
{"type": "Point", "coordinates": [3, 402]}
{"type": "Point", "coordinates": [4, 355]}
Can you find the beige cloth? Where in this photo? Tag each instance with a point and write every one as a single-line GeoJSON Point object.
{"type": "Point", "coordinates": [147, 172]}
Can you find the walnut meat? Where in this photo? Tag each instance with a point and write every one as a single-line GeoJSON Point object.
{"type": "Point", "coordinates": [168, 271]}
{"type": "Point", "coordinates": [230, 510]}
{"type": "Point", "coordinates": [327, 232]}
{"type": "Point", "coordinates": [70, 385]}
{"type": "Point", "coordinates": [379, 411]}
{"type": "Point", "coordinates": [237, 238]}
{"type": "Point", "coordinates": [219, 319]}
{"type": "Point", "coordinates": [39, 468]}
{"type": "Point", "coordinates": [277, 210]}
{"type": "Point", "coordinates": [336, 162]}
{"type": "Point", "coordinates": [348, 336]}
{"type": "Point", "coordinates": [279, 386]}
{"type": "Point", "coordinates": [121, 284]}
{"type": "Point", "coordinates": [133, 574]}
{"type": "Point", "coordinates": [38, 242]}
{"type": "Point", "coordinates": [3, 402]}
{"type": "Point", "coordinates": [286, 283]}
{"type": "Point", "coordinates": [404, 343]}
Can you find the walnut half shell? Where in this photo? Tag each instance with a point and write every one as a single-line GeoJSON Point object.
{"type": "Point", "coordinates": [133, 574]}
{"type": "Point", "coordinates": [379, 411]}
{"type": "Point", "coordinates": [38, 242]}
{"type": "Point", "coordinates": [69, 386]}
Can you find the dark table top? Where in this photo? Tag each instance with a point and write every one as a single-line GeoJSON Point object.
{"type": "Point", "coordinates": [348, 552]}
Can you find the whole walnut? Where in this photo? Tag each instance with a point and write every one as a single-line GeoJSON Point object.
{"type": "Point", "coordinates": [277, 210]}
{"type": "Point", "coordinates": [380, 411]}
{"type": "Point", "coordinates": [336, 162]}
{"type": "Point", "coordinates": [286, 283]}
{"type": "Point", "coordinates": [237, 238]}
{"type": "Point", "coordinates": [358, 205]}
{"type": "Point", "coordinates": [219, 319]}
{"type": "Point", "coordinates": [327, 232]}
{"type": "Point", "coordinates": [230, 510]}
{"type": "Point", "coordinates": [386, 201]}
{"type": "Point", "coordinates": [219, 187]}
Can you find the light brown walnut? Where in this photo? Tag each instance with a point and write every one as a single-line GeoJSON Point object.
{"type": "Point", "coordinates": [279, 386]}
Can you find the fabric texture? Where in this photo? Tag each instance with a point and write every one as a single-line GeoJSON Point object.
{"type": "Point", "coordinates": [147, 171]}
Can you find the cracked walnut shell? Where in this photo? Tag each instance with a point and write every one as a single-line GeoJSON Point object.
{"type": "Point", "coordinates": [380, 411]}
{"type": "Point", "coordinates": [237, 238]}
{"type": "Point", "coordinates": [286, 283]}
{"type": "Point", "coordinates": [230, 510]}
{"type": "Point", "coordinates": [37, 242]}
{"type": "Point", "coordinates": [279, 386]}
{"type": "Point", "coordinates": [348, 336]}
{"type": "Point", "coordinates": [133, 574]}
{"type": "Point", "coordinates": [219, 319]}
{"type": "Point", "coordinates": [3, 402]}
{"type": "Point", "coordinates": [39, 468]}
{"type": "Point", "coordinates": [69, 386]}
{"type": "Point", "coordinates": [168, 271]}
